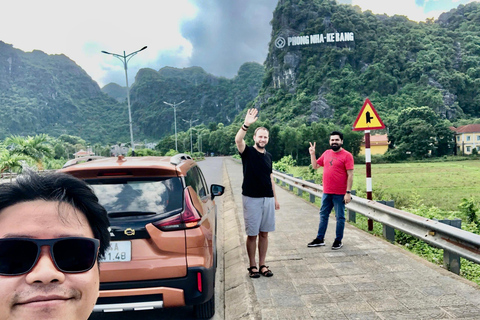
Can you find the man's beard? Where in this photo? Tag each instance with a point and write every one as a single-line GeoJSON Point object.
{"type": "Point", "coordinates": [259, 146]}
{"type": "Point", "coordinates": [336, 147]}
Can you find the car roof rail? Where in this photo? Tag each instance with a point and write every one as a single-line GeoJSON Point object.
{"type": "Point", "coordinates": [176, 159]}
{"type": "Point", "coordinates": [75, 161]}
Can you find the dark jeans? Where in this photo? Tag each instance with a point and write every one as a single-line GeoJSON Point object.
{"type": "Point", "coordinates": [330, 201]}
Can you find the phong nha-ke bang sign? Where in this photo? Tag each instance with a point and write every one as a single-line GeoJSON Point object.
{"type": "Point", "coordinates": [333, 37]}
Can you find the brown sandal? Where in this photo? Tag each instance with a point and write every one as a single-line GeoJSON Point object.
{"type": "Point", "coordinates": [253, 274]}
{"type": "Point", "coordinates": [266, 273]}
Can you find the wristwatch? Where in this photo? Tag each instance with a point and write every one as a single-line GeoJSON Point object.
{"type": "Point", "coordinates": [349, 191]}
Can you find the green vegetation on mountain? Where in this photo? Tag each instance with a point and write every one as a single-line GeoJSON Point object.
{"type": "Point", "coordinates": [42, 93]}
{"type": "Point", "coordinates": [115, 91]}
{"type": "Point", "coordinates": [395, 62]}
{"type": "Point", "coordinates": [207, 98]}
{"type": "Point", "coordinates": [50, 94]}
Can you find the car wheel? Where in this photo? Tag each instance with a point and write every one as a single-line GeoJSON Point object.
{"type": "Point", "coordinates": [205, 310]}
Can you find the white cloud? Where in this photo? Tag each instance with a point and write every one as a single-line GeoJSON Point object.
{"type": "Point", "coordinates": [81, 29]}
{"type": "Point", "coordinates": [405, 7]}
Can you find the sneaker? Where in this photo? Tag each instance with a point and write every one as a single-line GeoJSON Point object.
{"type": "Point", "coordinates": [337, 245]}
{"type": "Point", "coordinates": [316, 243]}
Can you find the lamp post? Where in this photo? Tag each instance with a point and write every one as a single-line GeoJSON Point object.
{"type": "Point", "coordinates": [191, 141]}
{"type": "Point", "coordinates": [125, 58]}
{"type": "Point", "coordinates": [199, 141]}
{"type": "Point", "coordinates": [174, 105]}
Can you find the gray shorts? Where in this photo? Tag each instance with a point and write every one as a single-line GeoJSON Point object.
{"type": "Point", "coordinates": [259, 215]}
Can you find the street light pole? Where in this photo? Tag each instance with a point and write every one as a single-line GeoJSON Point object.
{"type": "Point", "coordinates": [191, 140]}
{"type": "Point", "coordinates": [125, 58]}
{"type": "Point", "coordinates": [174, 105]}
{"type": "Point", "coordinates": [199, 140]}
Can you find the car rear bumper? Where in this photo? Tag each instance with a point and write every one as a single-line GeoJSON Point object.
{"type": "Point", "coordinates": [196, 288]}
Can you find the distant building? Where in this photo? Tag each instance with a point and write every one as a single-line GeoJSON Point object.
{"type": "Point", "coordinates": [378, 144]}
{"type": "Point", "coordinates": [83, 153]}
{"type": "Point", "coordinates": [150, 145]}
{"type": "Point", "coordinates": [467, 138]}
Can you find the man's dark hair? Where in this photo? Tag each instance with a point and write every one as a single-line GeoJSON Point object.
{"type": "Point", "coordinates": [337, 133]}
{"type": "Point", "coordinates": [63, 188]}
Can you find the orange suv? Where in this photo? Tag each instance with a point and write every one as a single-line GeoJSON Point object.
{"type": "Point", "coordinates": [163, 231]}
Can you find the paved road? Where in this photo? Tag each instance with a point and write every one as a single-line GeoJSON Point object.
{"type": "Point", "coordinates": [368, 278]}
{"type": "Point", "coordinates": [211, 168]}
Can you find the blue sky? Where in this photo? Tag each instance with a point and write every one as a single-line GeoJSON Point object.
{"type": "Point", "coordinates": [218, 35]}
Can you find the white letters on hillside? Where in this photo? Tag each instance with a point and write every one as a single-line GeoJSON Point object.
{"type": "Point", "coordinates": [333, 37]}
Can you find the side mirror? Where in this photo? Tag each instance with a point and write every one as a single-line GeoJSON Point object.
{"type": "Point", "coordinates": [216, 190]}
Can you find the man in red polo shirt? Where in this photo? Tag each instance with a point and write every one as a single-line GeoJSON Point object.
{"type": "Point", "coordinates": [337, 166]}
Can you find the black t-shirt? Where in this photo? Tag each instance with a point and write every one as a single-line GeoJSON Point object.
{"type": "Point", "coordinates": [257, 168]}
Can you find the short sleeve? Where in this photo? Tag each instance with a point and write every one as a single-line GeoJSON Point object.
{"type": "Point", "coordinates": [321, 160]}
{"type": "Point", "coordinates": [349, 162]}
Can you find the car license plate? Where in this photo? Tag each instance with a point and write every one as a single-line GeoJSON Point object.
{"type": "Point", "coordinates": [118, 251]}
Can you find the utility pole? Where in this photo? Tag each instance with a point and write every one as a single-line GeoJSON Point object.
{"type": "Point", "coordinates": [174, 106]}
{"type": "Point", "coordinates": [191, 141]}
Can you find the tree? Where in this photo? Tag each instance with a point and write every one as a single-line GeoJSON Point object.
{"type": "Point", "coordinates": [445, 139]}
{"type": "Point", "coordinates": [274, 146]}
{"type": "Point", "coordinates": [73, 140]}
{"type": "Point", "coordinates": [290, 138]}
{"type": "Point", "coordinates": [420, 133]}
{"type": "Point", "coordinates": [416, 136]}
{"type": "Point", "coordinates": [35, 148]}
{"type": "Point", "coordinates": [10, 162]}
{"type": "Point", "coordinates": [352, 140]}
{"type": "Point", "coordinates": [59, 151]}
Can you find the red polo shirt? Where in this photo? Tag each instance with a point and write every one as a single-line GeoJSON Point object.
{"type": "Point", "coordinates": [335, 166]}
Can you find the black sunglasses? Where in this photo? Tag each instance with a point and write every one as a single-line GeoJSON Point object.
{"type": "Point", "coordinates": [70, 255]}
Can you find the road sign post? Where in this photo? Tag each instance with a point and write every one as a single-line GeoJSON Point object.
{"type": "Point", "coordinates": [368, 119]}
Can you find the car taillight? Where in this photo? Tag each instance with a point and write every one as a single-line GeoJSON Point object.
{"type": "Point", "coordinates": [199, 282]}
{"type": "Point", "coordinates": [187, 219]}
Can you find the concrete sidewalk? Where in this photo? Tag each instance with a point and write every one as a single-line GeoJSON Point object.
{"type": "Point", "coordinates": [368, 278]}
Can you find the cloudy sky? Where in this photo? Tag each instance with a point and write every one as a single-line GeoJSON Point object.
{"type": "Point", "coordinates": [218, 35]}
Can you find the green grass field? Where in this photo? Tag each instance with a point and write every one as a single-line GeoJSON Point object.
{"type": "Point", "coordinates": [440, 184]}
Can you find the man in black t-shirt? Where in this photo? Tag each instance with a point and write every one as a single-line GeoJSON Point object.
{"type": "Point", "coordinates": [258, 193]}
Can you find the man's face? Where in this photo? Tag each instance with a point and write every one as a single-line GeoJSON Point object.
{"type": "Point", "coordinates": [261, 138]}
{"type": "Point", "coordinates": [45, 292]}
{"type": "Point", "coordinates": [335, 142]}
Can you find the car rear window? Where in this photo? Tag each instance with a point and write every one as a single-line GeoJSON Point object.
{"type": "Point", "coordinates": [139, 196]}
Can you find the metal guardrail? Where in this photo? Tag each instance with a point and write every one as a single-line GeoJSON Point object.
{"type": "Point", "coordinates": [452, 240]}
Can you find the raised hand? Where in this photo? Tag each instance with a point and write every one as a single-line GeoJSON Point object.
{"type": "Point", "coordinates": [251, 116]}
{"type": "Point", "coordinates": [311, 150]}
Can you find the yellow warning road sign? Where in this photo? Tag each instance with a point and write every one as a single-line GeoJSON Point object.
{"type": "Point", "coordinates": [368, 118]}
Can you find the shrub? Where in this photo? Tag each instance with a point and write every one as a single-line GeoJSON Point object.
{"type": "Point", "coordinates": [284, 164]}
{"type": "Point", "coordinates": [171, 153]}
{"type": "Point", "coordinates": [469, 208]}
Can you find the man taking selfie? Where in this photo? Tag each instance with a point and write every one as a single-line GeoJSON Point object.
{"type": "Point", "coordinates": [52, 233]}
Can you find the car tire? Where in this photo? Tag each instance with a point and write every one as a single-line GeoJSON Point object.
{"type": "Point", "coordinates": [205, 310]}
